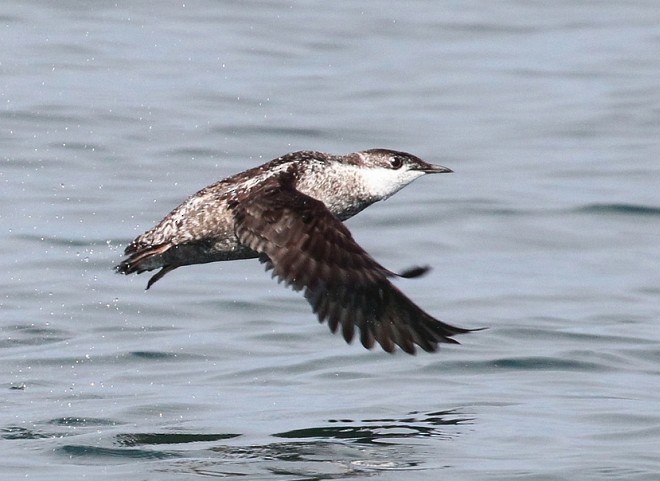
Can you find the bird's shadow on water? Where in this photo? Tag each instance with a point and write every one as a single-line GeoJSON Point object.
{"type": "Point", "coordinates": [337, 449]}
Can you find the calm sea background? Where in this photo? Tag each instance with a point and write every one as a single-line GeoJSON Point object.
{"type": "Point", "coordinates": [548, 233]}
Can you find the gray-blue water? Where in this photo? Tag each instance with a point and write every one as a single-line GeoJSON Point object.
{"type": "Point", "coordinates": [548, 233]}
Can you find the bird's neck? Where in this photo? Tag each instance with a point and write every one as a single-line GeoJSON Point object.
{"type": "Point", "coordinates": [342, 188]}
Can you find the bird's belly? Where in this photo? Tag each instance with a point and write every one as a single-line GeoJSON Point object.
{"type": "Point", "coordinates": [211, 250]}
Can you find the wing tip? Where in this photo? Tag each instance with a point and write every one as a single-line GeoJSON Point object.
{"type": "Point", "coordinates": [414, 272]}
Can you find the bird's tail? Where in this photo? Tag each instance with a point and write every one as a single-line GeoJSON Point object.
{"type": "Point", "coordinates": [146, 259]}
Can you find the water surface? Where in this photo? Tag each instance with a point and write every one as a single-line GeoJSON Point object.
{"type": "Point", "coordinates": [547, 234]}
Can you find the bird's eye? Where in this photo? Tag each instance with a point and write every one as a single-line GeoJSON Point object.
{"type": "Point", "coordinates": [396, 162]}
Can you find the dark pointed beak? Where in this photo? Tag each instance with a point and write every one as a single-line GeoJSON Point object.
{"type": "Point", "coordinates": [434, 169]}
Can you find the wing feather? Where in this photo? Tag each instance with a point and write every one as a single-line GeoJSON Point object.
{"type": "Point", "coordinates": [310, 249]}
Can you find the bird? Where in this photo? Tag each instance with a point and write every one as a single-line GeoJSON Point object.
{"type": "Point", "coordinates": [289, 214]}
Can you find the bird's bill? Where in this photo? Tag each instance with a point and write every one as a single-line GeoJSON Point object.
{"type": "Point", "coordinates": [435, 169]}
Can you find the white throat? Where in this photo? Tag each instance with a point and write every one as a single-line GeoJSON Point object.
{"type": "Point", "coordinates": [382, 183]}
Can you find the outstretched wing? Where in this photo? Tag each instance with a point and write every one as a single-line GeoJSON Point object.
{"type": "Point", "coordinates": [309, 248]}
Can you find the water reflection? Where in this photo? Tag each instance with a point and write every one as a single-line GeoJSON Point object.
{"type": "Point", "coordinates": [414, 425]}
{"type": "Point", "coordinates": [338, 449]}
{"type": "Point", "coordinates": [344, 447]}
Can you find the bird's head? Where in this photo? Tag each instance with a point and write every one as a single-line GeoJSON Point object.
{"type": "Point", "coordinates": [385, 172]}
